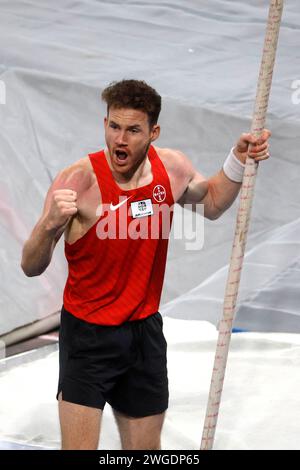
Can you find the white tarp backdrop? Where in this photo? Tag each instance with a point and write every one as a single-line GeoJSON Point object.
{"type": "Point", "coordinates": [203, 57]}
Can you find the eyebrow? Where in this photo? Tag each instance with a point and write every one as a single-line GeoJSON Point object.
{"type": "Point", "coordinates": [129, 127]}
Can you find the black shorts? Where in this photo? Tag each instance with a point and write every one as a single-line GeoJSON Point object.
{"type": "Point", "coordinates": [124, 365]}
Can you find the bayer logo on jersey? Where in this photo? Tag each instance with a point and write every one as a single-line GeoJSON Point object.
{"type": "Point", "coordinates": [159, 193]}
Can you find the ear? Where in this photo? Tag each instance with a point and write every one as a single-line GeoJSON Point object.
{"type": "Point", "coordinates": [155, 132]}
{"type": "Point", "coordinates": [105, 121]}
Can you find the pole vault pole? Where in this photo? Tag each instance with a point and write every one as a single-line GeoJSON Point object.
{"type": "Point", "coordinates": [242, 224]}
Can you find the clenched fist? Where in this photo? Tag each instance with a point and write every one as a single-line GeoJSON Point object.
{"type": "Point", "coordinates": [62, 206]}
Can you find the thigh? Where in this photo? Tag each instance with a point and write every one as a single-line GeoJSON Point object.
{"type": "Point", "coordinates": [140, 433]}
{"type": "Point", "coordinates": [80, 426]}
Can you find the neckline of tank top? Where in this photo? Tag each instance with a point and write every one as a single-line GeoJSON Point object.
{"type": "Point", "coordinates": [151, 155]}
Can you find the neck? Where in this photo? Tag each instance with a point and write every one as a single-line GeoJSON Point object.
{"type": "Point", "coordinates": [131, 177]}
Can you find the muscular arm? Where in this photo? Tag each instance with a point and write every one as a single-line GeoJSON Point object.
{"type": "Point", "coordinates": [218, 192]}
{"type": "Point", "coordinates": [38, 249]}
{"type": "Point", "coordinates": [190, 187]}
{"type": "Point", "coordinates": [59, 209]}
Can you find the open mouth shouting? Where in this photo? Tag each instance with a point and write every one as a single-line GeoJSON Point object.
{"type": "Point", "coordinates": [121, 156]}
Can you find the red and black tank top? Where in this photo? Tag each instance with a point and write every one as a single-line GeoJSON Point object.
{"type": "Point", "coordinates": [116, 269]}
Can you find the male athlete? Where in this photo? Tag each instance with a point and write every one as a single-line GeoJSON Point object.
{"type": "Point", "coordinates": [112, 347]}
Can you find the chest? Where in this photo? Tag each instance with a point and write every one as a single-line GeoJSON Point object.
{"type": "Point", "coordinates": [90, 203]}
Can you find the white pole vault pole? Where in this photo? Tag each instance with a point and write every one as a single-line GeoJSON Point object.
{"type": "Point", "coordinates": [242, 224]}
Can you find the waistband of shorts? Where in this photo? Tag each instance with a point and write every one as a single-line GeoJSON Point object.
{"type": "Point", "coordinates": [127, 322]}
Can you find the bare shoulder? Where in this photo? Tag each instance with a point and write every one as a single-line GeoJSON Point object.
{"type": "Point", "coordinates": [168, 154]}
{"type": "Point", "coordinates": [175, 161]}
{"type": "Point", "coordinates": [179, 168]}
{"type": "Point", "coordinates": [79, 176]}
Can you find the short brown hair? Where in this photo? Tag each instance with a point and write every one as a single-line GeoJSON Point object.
{"type": "Point", "coordinates": [135, 94]}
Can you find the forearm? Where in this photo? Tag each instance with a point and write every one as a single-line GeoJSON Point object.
{"type": "Point", "coordinates": [221, 194]}
{"type": "Point", "coordinates": [224, 187]}
{"type": "Point", "coordinates": [37, 251]}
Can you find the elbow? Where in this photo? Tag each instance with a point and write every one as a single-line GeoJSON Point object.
{"type": "Point", "coordinates": [212, 209]}
{"type": "Point", "coordinates": [216, 215]}
{"type": "Point", "coordinates": [25, 270]}
{"type": "Point", "coordinates": [28, 271]}
{"type": "Point", "coordinates": [31, 273]}
{"type": "Point", "coordinates": [25, 266]}
{"type": "Point", "coordinates": [213, 214]}
{"type": "Point", "coordinates": [213, 217]}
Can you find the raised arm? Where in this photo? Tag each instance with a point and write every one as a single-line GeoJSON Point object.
{"type": "Point", "coordinates": [218, 192]}
{"type": "Point", "coordinates": [59, 208]}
